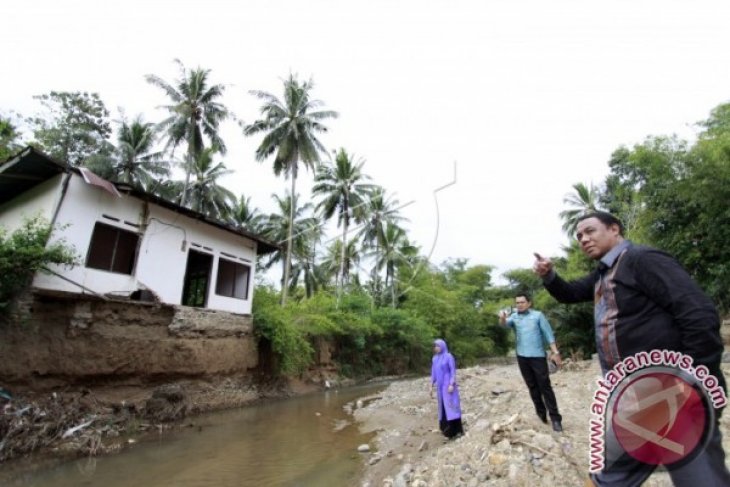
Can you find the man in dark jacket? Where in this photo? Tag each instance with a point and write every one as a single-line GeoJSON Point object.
{"type": "Point", "coordinates": [644, 300]}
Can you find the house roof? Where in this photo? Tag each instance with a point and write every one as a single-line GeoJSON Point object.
{"type": "Point", "coordinates": [31, 167]}
{"type": "Point", "coordinates": [27, 169]}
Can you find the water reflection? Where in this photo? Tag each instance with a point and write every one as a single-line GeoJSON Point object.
{"type": "Point", "coordinates": [306, 441]}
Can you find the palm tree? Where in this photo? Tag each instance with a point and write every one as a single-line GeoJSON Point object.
{"type": "Point", "coordinates": [338, 258]}
{"type": "Point", "coordinates": [397, 251]}
{"type": "Point", "coordinates": [290, 128]}
{"type": "Point", "coordinates": [313, 276]}
{"type": "Point", "coordinates": [340, 184]}
{"type": "Point", "coordinates": [206, 195]}
{"type": "Point", "coordinates": [583, 200]}
{"type": "Point", "coordinates": [139, 164]}
{"type": "Point", "coordinates": [380, 210]}
{"type": "Point", "coordinates": [245, 216]}
{"type": "Point", "coordinates": [167, 189]}
{"type": "Point", "coordinates": [277, 228]}
{"type": "Point", "coordinates": [134, 161]}
{"type": "Point", "coordinates": [195, 111]}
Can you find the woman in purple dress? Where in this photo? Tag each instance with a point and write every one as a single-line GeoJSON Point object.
{"type": "Point", "coordinates": [443, 378]}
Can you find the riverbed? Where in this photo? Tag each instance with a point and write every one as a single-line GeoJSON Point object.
{"type": "Point", "coordinates": [309, 440]}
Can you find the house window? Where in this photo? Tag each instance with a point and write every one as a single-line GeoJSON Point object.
{"type": "Point", "coordinates": [112, 249]}
{"type": "Point", "coordinates": [232, 279]}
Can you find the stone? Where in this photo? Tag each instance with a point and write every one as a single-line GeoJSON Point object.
{"type": "Point", "coordinates": [364, 448]}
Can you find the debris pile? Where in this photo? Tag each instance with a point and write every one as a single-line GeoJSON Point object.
{"type": "Point", "coordinates": [65, 422]}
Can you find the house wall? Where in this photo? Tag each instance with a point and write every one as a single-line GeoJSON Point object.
{"type": "Point", "coordinates": [38, 201]}
{"type": "Point", "coordinates": [168, 240]}
{"type": "Point", "coordinates": [167, 237]}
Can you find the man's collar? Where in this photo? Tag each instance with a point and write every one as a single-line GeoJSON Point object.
{"type": "Point", "coordinates": [609, 259]}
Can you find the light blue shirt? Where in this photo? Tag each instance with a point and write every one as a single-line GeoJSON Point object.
{"type": "Point", "coordinates": [533, 331]}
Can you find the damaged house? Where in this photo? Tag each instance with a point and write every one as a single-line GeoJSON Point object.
{"type": "Point", "coordinates": [132, 244]}
{"type": "Point", "coordinates": [160, 290]}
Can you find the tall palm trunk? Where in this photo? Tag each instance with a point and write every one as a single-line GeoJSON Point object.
{"type": "Point", "coordinates": [188, 167]}
{"type": "Point", "coordinates": [343, 252]}
{"type": "Point", "coordinates": [290, 234]}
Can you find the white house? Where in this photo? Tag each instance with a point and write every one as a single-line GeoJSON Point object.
{"type": "Point", "coordinates": [130, 242]}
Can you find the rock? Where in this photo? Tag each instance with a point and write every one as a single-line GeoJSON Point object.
{"type": "Point", "coordinates": [374, 459]}
{"type": "Point", "coordinates": [364, 448]}
{"type": "Point", "coordinates": [544, 441]}
{"type": "Point", "coordinates": [496, 459]}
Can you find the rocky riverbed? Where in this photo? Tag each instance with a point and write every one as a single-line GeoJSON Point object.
{"type": "Point", "coordinates": [504, 444]}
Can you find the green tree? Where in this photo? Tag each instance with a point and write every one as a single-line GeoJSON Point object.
{"type": "Point", "coordinates": [584, 199]}
{"type": "Point", "coordinates": [246, 216]}
{"type": "Point", "coordinates": [25, 252]}
{"type": "Point", "coordinates": [396, 252]}
{"type": "Point", "coordinates": [75, 127]}
{"type": "Point", "coordinates": [195, 112]}
{"type": "Point", "coordinates": [342, 188]}
{"type": "Point", "coordinates": [338, 259]}
{"type": "Point", "coordinates": [9, 139]}
{"type": "Point", "coordinates": [207, 196]}
{"type": "Point", "coordinates": [290, 127]}
{"type": "Point", "coordinates": [135, 161]}
{"type": "Point", "coordinates": [278, 228]}
{"type": "Point", "coordinates": [380, 209]}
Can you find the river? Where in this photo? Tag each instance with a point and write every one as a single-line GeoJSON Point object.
{"type": "Point", "coordinates": [303, 441]}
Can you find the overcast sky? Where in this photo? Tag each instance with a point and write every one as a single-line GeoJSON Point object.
{"type": "Point", "coordinates": [529, 97]}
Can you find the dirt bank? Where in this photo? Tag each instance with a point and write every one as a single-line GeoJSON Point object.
{"type": "Point", "coordinates": [505, 444]}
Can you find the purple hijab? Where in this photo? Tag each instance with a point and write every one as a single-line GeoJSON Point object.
{"type": "Point", "coordinates": [443, 373]}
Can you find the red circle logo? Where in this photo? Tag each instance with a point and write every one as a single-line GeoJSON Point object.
{"type": "Point", "coordinates": [659, 418]}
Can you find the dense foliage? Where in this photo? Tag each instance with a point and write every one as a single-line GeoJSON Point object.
{"type": "Point", "coordinates": [24, 252]}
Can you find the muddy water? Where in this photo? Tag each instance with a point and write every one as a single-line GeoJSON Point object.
{"type": "Point", "coordinates": [305, 441]}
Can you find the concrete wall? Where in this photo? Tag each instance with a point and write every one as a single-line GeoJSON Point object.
{"type": "Point", "coordinates": [69, 340]}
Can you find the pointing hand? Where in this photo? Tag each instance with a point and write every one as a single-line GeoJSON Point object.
{"type": "Point", "coordinates": [542, 265]}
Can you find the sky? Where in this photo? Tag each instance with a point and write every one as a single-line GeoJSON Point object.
{"type": "Point", "coordinates": [511, 101]}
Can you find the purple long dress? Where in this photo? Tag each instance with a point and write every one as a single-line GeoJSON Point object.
{"type": "Point", "coordinates": [443, 373]}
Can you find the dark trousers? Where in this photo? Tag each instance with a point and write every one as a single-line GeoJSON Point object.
{"type": "Point", "coordinates": [708, 469]}
{"type": "Point", "coordinates": [535, 373]}
{"type": "Point", "coordinates": [450, 428]}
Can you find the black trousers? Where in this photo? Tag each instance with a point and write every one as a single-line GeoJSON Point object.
{"type": "Point", "coordinates": [535, 373]}
{"type": "Point", "coordinates": [450, 428]}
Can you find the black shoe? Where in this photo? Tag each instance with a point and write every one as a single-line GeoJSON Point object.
{"type": "Point", "coordinates": [557, 426]}
{"type": "Point", "coordinates": [542, 418]}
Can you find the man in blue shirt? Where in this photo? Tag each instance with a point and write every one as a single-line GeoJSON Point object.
{"type": "Point", "coordinates": [532, 331]}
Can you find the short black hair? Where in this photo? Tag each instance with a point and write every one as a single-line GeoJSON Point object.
{"type": "Point", "coordinates": [606, 218]}
{"type": "Point", "coordinates": [523, 295]}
